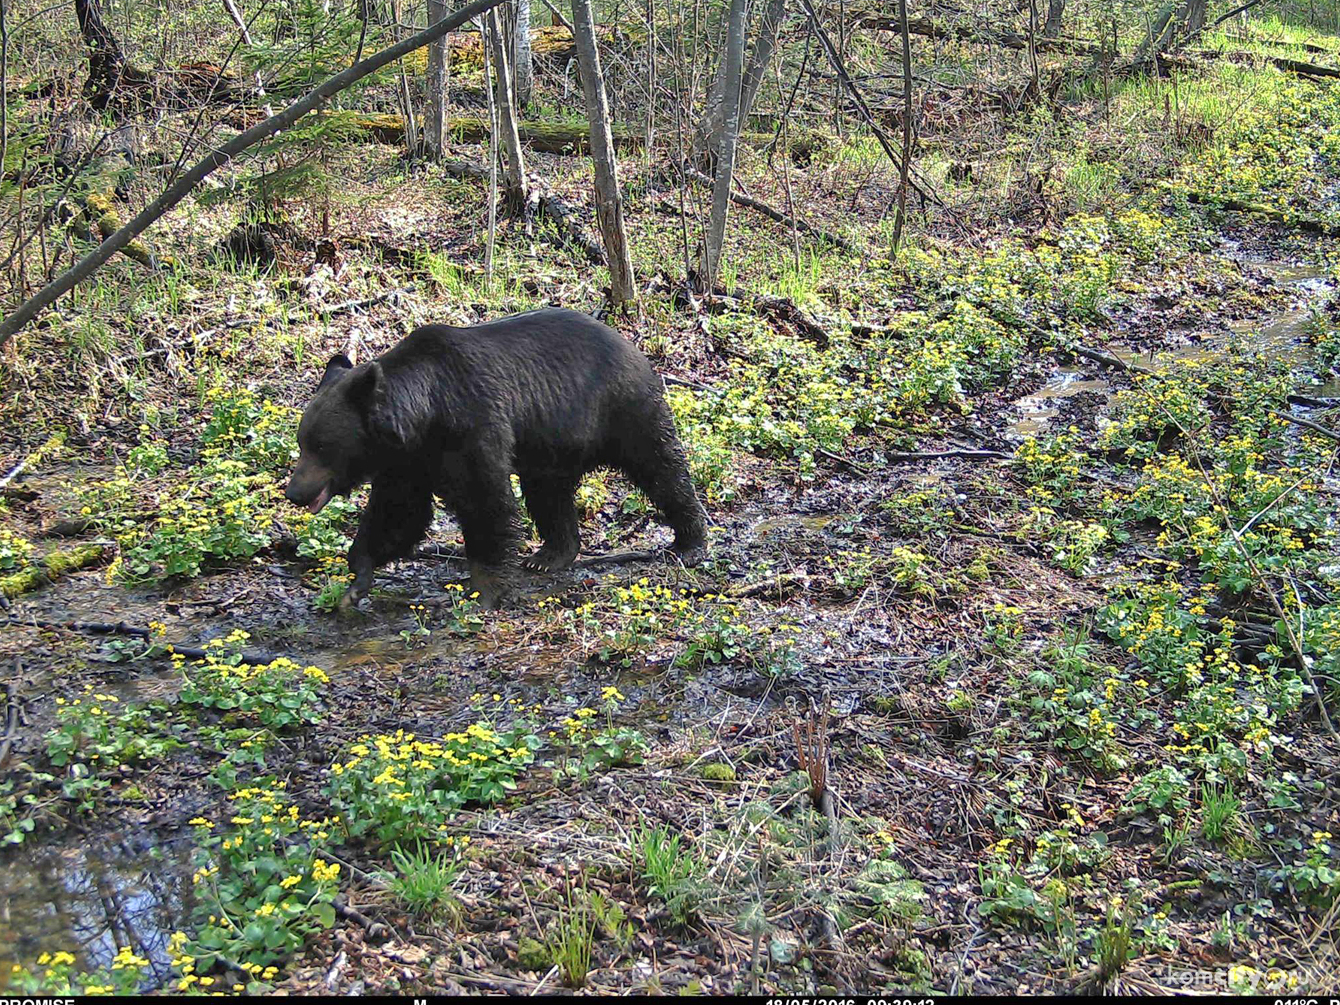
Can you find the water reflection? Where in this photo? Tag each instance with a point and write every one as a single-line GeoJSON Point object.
{"type": "Point", "coordinates": [91, 901]}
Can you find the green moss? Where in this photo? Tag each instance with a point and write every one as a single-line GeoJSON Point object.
{"type": "Point", "coordinates": [718, 772]}
{"type": "Point", "coordinates": [55, 565]}
{"type": "Point", "coordinates": [531, 954]}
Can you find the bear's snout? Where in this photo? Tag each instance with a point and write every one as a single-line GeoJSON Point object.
{"type": "Point", "coordinates": [309, 488]}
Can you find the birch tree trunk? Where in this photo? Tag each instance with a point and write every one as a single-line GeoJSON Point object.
{"type": "Point", "coordinates": [609, 203]}
{"type": "Point", "coordinates": [732, 72]}
{"type": "Point", "coordinates": [242, 30]}
{"type": "Point", "coordinates": [516, 187]}
{"type": "Point", "coordinates": [435, 112]}
{"type": "Point", "coordinates": [525, 65]}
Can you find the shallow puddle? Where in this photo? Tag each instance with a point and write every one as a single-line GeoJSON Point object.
{"type": "Point", "coordinates": [1281, 335]}
{"type": "Point", "coordinates": [92, 901]}
{"type": "Point", "coordinates": [1038, 409]}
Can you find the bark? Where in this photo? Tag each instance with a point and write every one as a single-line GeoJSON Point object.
{"type": "Point", "coordinates": [522, 60]}
{"type": "Point", "coordinates": [224, 154]}
{"type": "Point", "coordinates": [107, 67]}
{"type": "Point", "coordinates": [516, 188]}
{"type": "Point", "coordinates": [761, 53]}
{"type": "Point", "coordinates": [435, 111]}
{"type": "Point", "coordinates": [732, 72]}
{"type": "Point", "coordinates": [609, 203]}
{"type": "Point", "coordinates": [1055, 10]}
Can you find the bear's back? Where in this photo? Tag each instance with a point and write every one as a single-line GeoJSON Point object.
{"type": "Point", "coordinates": [559, 377]}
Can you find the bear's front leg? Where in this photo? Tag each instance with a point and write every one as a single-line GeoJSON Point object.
{"type": "Point", "coordinates": [397, 516]}
{"type": "Point", "coordinates": [490, 522]}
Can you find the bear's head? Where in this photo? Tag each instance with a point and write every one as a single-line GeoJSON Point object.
{"type": "Point", "coordinates": [338, 444]}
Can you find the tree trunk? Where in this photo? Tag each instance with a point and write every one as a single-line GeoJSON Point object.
{"type": "Point", "coordinates": [906, 166]}
{"type": "Point", "coordinates": [242, 30]}
{"type": "Point", "coordinates": [106, 61]}
{"type": "Point", "coordinates": [524, 75]}
{"type": "Point", "coordinates": [765, 44]}
{"type": "Point", "coordinates": [1194, 20]}
{"type": "Point", "coordinates": [708, 140]}
{"type": "Point", "coordinates": [516, 191]}
{"type": "Point", "coordinates": [609, 204]}
{"type": "Point", "coordinates": [732, 72]}
{"type": "Point", "coordinates": [1055, 9]}
{"type": "Point", "coordinates": [435, 111]}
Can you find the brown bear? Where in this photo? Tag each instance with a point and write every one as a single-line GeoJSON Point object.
{"type": "Point", "coordinates": [454, 412]}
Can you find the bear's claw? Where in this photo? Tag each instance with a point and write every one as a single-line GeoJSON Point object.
{"type": "Point", "coordinates": [549, 559]}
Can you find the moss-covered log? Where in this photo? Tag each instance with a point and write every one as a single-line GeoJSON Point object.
{"type": "Point", "coordinates": [547, 137]}
{"type": "Point", "coordinates": [52, 567]}
{"type": "Point", "coordinates": [1309, 224]}
{"type": "Point", "coordinates": [98, 219]}
{"type": "Point", "coordinates": [561, 137]}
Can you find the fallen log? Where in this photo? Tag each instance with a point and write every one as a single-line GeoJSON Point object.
{"type": "Point", "coordinates": [97, 215]}
{"type": "Point", "coordinates": [551, 137]}
{"type": "Point", "coordinates": [52, 567]}
{"type": "Point", "coordinates": [1192, 60]}
{"type": "Point", "coordinates": [546, 137]}
{"type": "Point", "coordinates": [1307, 424]}
{"type": "Point", "coordinates": [53, 444]}
{"type": "Point", "coordinates": [1305, 223]}
{"type": "Point", "coordinates": [927, 28]}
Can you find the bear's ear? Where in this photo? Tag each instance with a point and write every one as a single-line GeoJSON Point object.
{"type": "Point", "coordinates": [362, 386]}
{"type": "Point", "coordinates": [367, 392]}
{"type": "Point", "coordinates": [335, 369]}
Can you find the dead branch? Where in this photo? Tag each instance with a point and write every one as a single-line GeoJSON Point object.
{"type": "Point", "coordinates": [772, 214]}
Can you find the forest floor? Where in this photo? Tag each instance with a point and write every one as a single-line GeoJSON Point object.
{"type": "Point", "coordinates": [983, 687]}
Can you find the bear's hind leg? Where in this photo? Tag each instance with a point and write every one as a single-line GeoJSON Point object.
{"type": "Point", "coordinates": [657, 465]}
{"type": "Point", "coordinates": [550, 503]}
{"type": "Point", "coordinates": [396, 518]}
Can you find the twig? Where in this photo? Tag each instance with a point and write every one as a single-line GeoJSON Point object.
{"type": "Point", "coordinates": [774, 214]}
{"type": "Point", "coordinates": [375, 929]}
{"type": "Point", "coordinates": [935, 455]}
{"type": "Point", "coordinates": [354, 305]}
{"type": "Point", "coordinates": [1307, 424]}
{"type": "Point", "coordinates": [133, 631]}
{"type": "Point", "coordinates": [1106, 359]}
{"type": "Point", "coordinates": [11, 716]}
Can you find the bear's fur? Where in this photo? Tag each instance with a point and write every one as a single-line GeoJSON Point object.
{"type": "Point", "coordinates": [453, 412]}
